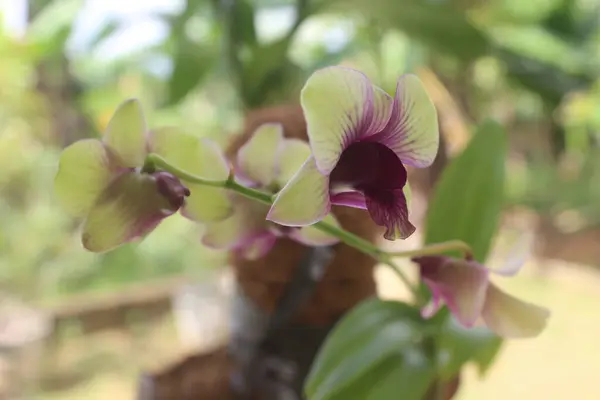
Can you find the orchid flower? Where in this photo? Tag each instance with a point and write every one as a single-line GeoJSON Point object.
{"type": "Point", "coordinates": [465, 287]}
{"type": "Point", "coordinates": [361, 141]}
{"type": "Point", "coordinates": [266, 162]}
{"type": "Point", "coordinates": [103, 181]}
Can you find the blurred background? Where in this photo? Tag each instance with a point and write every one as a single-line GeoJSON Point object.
{"type": "Point", "coordinates": [76, 325]}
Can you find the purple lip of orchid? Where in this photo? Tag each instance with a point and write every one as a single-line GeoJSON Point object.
{"type": "Point", "coordinates": [374, 170]}
{"type": "Point", "coordinates": [172, 189]}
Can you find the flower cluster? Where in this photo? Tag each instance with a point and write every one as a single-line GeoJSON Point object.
{"type": "Point", "coordinates": [266, 162]}
{"type": "Point", "coordinates": [104, 182]}
{"type": "Point", "coordinates": [360, 142]}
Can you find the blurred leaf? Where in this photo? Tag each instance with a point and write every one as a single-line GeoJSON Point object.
{"type": "Point", "coordinates": [516, 11]}
{"type": "Point", "coordinates": [408, 371]}
{"type": "Point", "coordinates": [265, 71]}
{"type": "Point", "coordinates": [437, 24]}
{"type": "Point", "coordinates": [468, 198]}
{"type": "Point", "coordinates": [466, 206]}
{"type": "Point", "coordinates": [51, 27]}
{"type": "Point", "coordinates": [458, 345]}
{"type": "Point", "coordinates": [106, 31]}
{"type": "Point", "coordinates": [191, 62]}
{"type": "Point", "coordinates": [244, 30]}
{"type": "Point", "coordinates": [374, 337]}
{"type": "Point", "coordinates": [546, 80]}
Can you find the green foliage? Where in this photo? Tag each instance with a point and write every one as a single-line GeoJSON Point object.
{"type": "Point", "coordinates": [459, 345]}
{"type": "Point", "coordinates": [371, 353]}
{"type": "Point", "coordinates": [438, 25]}
{"type": "Point", "coordinates": [470, 194]}
{"type": "Point", "coordinates": [466, 205]}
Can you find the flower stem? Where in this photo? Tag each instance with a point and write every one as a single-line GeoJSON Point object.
{"type": "Point", "coordinates": [154, 160]}
{"type": "Point", "coordinates": [248, 192]}
{"type": "Point", "coordinates": [436, 248]}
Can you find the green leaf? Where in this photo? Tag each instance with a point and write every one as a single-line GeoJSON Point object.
{"type": "Point", "coordinates": [468, 198]}
{"type": "Point", "coordinates": [466, 206]}
{"type": "Point", "coordinates": [438, 25]}
{"type": "Point", "coordinates": [408, 371]}
{"type": "Point", "coordinates": [192, 62]}
{"type": "Point", "coordinates": [265, 71]}
{"type": "Point", "coordinates": [370, 335]}
{"type": "Point", "coordinates": [244, 30]}
{"type": "Point", "coordinates": [459, 345]}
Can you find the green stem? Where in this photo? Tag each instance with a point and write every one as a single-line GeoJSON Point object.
{"type": "Point", "coordinates": [154, 160]}
{"type": "Point", "coordinates": [437, 248]}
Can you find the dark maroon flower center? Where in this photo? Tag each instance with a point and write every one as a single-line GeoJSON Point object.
{"type": "Point", "coordinates": [171, 188]}
{"type": "Point", "coordinates": [371, 168]}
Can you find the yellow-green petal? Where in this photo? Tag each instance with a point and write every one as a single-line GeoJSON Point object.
{"type": "Point", "coordinates": [312, 236]}
{"type": "Point", "coordinates": [245, 222]}
{"type": "Point", "coordinates": [257, 157]}
{"type": "Point", "coordinates": [198, 156]}
{"type": "Point", "coordinates": [412, 132]}
{"type": "Point", "coordinates": [207, 203]}
{"type": "Point", "coordinates": [128, 209]}
{"type": "Point", "coordinates": [84, 170]}
{"type": "Point", "coordinates": [225, 234]}
{"type": "Point", "coordinates": [340, 105]}
{"type": "Point", "coordinates": [305, 198]}
{"type": "Point", "coordinates": [292, 154]}
{"type": "Point", "coordinates": [126, 134]}
{"type": "Point", "coordinates": [512, 318]}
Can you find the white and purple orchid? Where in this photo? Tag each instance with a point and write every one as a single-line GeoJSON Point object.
{"type": "Point", "coordinates": [361, 141]}
{"type": "Point", "coordinates": [266, 162]}
{"type": "Point", "coordinates": [103, 181]}
{"type": "Point", "coordinates": [465, 287]}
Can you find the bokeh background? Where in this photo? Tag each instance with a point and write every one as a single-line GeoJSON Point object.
{"type": "Point", "coordinates": [76, 325]}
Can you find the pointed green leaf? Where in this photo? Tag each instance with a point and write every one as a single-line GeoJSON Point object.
{"type": "Point", "coordinates": [192, 62]}
{"type": "Point", "coordinates": [468, 198]}
{"type": "Point", "coordinates": [466, 206]}
{"type": "Point", "coordinates": [407, 371]}
{"type": "Point", "coordinates": [367, 336]}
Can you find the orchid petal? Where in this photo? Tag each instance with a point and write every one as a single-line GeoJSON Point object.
{"type": "Point", "coordinates": [389, 208]}
{"type": "Point", "coordinates": [292, 154]}
{"type": "Point", "coordinates": [350, 199]}
{"type": "Point", "coordinates": [340, 106]}
{"type": "Point", "coordinates": [516, 257]}
{"type": "Point", "coordinates": [128, 209]}
{"type": "Point", "coordinates": [304, 200]}
{"type": "Point", "coordinates": [312, 236]}
{"type": "Point", "coordinates": [247, 219]}
{"type": "Point", "coordinates": [126, 134]}
{"type": "Point", "coordinates": [259, 246]}
{"type": "Point", "coordinates": [412, 131]}
{"type": "Point", "coordinates": [207, 204]}
{"type": "Point", "coordinates": [510, 317]}
{"type": "Point", "coordinates": [201, 157]}
{"type": "Point", "coordinates": [461, 285]}
{"type": "Point", "coordinates": [84, 170]}
{"type": "Point", "coordinates": [257, 157]}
